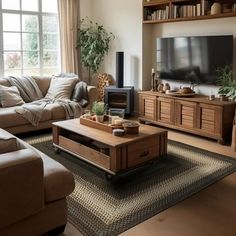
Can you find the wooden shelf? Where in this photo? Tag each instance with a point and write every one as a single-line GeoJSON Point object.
{"type": "Point", "coordinates": [167, 9]}
{"type": "Point", "coordinates": [207, 17]}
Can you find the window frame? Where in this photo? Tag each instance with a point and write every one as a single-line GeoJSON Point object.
{"type": "Point", "coordinates": [40, 33]}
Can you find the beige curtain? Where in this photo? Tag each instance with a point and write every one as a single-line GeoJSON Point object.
{"type": "Point", "coordinates": [68, 11]}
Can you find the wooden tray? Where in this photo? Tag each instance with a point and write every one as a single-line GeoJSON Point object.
{"type": "Point", "coordinates": [97, 125]}
{"type": "Point", "coordinates": [177, 94]}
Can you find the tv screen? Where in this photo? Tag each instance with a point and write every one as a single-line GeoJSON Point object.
{"type": "Point", "coordinates": [193, 59]}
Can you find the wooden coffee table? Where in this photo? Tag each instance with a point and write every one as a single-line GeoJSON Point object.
{"type": "Point", "coordinates": [108, 152]}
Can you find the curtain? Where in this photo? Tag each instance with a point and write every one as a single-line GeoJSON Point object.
{"type": "Point", "coordinates": [68, 11]}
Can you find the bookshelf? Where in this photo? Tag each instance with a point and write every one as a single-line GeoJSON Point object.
{"type": "Point", "coordinates": [161, 11]}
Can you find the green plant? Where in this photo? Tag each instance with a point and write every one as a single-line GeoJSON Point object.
{"type": "Point", "coordinates": [99, 108]}
{"type": "Point", "coordinates": [226, 82]}
{"type": "Point", "coordinates": [94, 42]}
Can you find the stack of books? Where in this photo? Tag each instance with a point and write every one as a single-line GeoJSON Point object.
{"type": "Point", "coordinates": [186, 11]}
{"type": "Point", "coordinates": [161, 14]}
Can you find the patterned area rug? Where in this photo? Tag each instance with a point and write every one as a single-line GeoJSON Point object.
{"type": "Point", "coordinates": [100, 207]}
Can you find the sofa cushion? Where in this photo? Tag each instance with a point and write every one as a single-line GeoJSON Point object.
{"type": "Point", "coordinates": [58, 112]}
{"type": "Point", "coordinates": [61, 88]}
{"type": "Point", "coordinates": [9, 118]}
{"type": "Point", "coordinates": [10, 96]}
{"type": "Point", "coordinates": [58, 181]}
{"type": "Point", "coordinates": [8, 143]}
{"type": "Point", "coordinates": [43, 83]}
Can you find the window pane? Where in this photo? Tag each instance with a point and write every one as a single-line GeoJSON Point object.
{"type": "Point", "coordinates": [12, 60]}
{"type": "Point", "coordinates": [30, 23]}
{"type": "Point", "coordinates": [50, 71]}
{"type": "Point", "coordinates": [50, 41]}
{"type": "Point", "coordinates": [49, 6]}
{"type": "Point", "coordinates": [31, 59]}
{"type": "Point", "coordinates": [50, 58]}
{"type": "Point", "coordinates": [30, 5]}
{"type": "Point", "coordinates": [31, 71]}
{"type": "Point", "coordinates": [12, 72]}
{"type": "Point", "coordinates": [30, 41]}
{"type": "Point", "coordinates": [49, 24]}
{"type": "Point", "coordinates": [11, 22]}
{"type": "Point", "coordinates": [11, 41]}
{"type": "Point", "coordinates": [11, 4]}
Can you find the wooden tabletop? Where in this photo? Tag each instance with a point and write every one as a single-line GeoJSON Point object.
{"type": "Point", "coordinates": [74, 125]}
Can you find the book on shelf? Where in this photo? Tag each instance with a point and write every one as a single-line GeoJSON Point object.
{"type": "Point", "coordinates": [205, 7]}
{"type": "Point", "coordinates": [198, 6]}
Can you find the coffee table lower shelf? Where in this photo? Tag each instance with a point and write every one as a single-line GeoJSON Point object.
{"type": "Point", "coordinates": [114, 155]}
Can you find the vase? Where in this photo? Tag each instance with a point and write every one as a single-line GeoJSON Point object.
{"type": "Point", "coordinates": [100, 118]}
{"type": "Point", "coordinates": [215, 8]}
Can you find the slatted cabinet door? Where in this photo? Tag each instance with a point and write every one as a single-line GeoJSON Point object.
{"type": "Point", "coordinates": [186, 113]}
{"type": "Point", "coordinates": [210, 119]}
{"type": "Point", "coordinates": [166, 110]}
{"type": "Point", "coordinates": [147, 107]}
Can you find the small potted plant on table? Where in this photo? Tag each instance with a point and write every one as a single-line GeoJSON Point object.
{"type": "Point", "coordinates": [99, 109]}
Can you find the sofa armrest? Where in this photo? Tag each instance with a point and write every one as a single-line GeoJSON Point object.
{"type": "Point", "coordinates": [92, 94]}
{"type": "Point", "coordinates": [21, 185]}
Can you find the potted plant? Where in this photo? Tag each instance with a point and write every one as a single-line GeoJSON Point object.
{"type": "Point", "coordinates": [94, 43]}
{"type": "Point", "coordinates": [226, 82]}
{"type": "Point", "coordinates": [99, 109]}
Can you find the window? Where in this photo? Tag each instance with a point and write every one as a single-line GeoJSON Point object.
{"type": "Point", "coordinates": [29, 38]}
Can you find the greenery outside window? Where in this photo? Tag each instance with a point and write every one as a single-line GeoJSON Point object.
{"type": "Point", "coordinates": [29, 37]}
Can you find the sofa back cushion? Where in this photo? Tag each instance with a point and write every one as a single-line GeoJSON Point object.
{"type": "Point", "coordinates": [10, 96]}
{"type": "Point", "coordinates": [4, 82]}
{"type": "Point", "coordinates": [43, 82]}
{"type": "Point", "coordinates": [61, 88]}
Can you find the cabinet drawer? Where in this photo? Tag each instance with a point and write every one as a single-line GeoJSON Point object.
{"type": "Point", "coordinates": [142, 151]}
{"type": "Point", "coordinates": [87, 153]}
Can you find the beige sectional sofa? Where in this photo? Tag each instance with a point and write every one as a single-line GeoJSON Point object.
{"type": "Point", "coordinates": [33, 189]}
{"type": "Point", "coordinates": [15, 123]}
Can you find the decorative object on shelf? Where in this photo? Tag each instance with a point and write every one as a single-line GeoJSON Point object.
{"type": "Point", "coordinates": [226, 82]}
{"type": "Point", "coordinates": [153, 80]}
{"type": "Point", "coordinates": [215, 8]}
{"type": "Point", "coordinates": [166, 87]}
{"type": "Point", "coordinates": [185, 90]}
{"type": "Point", "coordinates": [211, 97]}
{"type": "Point", "coordinates": [99, 109]}
{"type": "Point", "coordinates": [223, 98]}
{"type": "Point", "coordinates": [160, 88]}
{"type": "Point", "coordinates": [94, 43]}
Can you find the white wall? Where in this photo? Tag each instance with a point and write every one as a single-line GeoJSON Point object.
{"type": "Point", "coordinates": [220, 26]}
{"type": "Point", "coordinates": [124, 19]}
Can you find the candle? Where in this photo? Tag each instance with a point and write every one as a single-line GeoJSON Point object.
{"type": "Point", "coordinates": [153, 71]}
{"type": "Point", "coordinates": [113, 118]}
{"type": "Point", "coordinates": [118, 121]}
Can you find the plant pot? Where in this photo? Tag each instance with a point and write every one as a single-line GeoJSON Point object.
{"type": "Point", "coordinates": [100, 118]}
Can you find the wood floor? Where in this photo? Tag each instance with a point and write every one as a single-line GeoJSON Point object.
{"type": "Point", "coordinates": [211, 212]}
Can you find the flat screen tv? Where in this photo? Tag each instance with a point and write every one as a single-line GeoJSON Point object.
{"type": "Point", "coordinates": [193, 59]}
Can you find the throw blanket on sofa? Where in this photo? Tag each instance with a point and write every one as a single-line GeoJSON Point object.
{"type": "Point", "coordinates": [33, 111]}
{"type": "Point", "coordinates": [28, 88]}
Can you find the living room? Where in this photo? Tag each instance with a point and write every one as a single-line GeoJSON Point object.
{"type": "Point", "coordinates": [208, 208]}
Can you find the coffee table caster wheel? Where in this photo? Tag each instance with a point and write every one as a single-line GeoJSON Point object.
{"type": "Point", "coordinates": [57, 150]}
{"type": "Point", "coordinates": [109, 177]}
